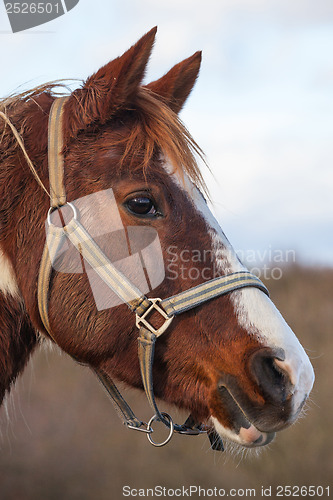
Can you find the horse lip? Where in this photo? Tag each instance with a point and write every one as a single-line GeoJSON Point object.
{"type": "Point", "coordinates": [272, 418]}
{"type": "Point", "coordinates": [243, 428]}
{"type": "Point", "coordinates": [243, 431]}
{"type": "Point", "coordinates": [237, 414]}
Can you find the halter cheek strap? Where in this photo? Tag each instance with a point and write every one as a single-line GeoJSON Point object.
{"type": "Point", "coordinates": [129, 294]}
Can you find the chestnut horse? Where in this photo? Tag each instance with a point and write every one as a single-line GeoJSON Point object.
{"type": "Point", "coordinates": [233, 362]}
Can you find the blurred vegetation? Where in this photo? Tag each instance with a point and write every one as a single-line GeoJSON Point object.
{"type": "Point", "coordinates": [61, 439]}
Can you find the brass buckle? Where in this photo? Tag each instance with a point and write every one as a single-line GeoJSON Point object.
{"type": "Point", "coordinates": [141, 320]}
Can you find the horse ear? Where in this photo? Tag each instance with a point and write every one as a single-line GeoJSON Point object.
{"type": "Point", "coordinates": [111, 88]}
{"type": "Point", "coordinates": [177, 84]}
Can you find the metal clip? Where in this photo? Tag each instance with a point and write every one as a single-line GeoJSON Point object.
{"type": "Point", "coordinates": [148, 430]}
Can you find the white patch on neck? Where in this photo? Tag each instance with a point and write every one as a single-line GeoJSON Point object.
{"type": "Point", "coordinates": [8, 283]}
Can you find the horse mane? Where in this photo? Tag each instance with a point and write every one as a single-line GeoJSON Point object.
{"type": "Point", "coordinates": [154, 128]}
{"type": "Point", "coordinates": [15, 100]}
{"type": "Point", "coordinates": [15, 117]}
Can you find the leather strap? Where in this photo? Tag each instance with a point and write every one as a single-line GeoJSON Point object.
{"type": "Point", "coordinates": [122, 408]}
{"type": "Point", "coordinates": [132, 296]}
{"type": "Point", "coordinates": [146, 350]}
{"type": "Point", "coordinates": [54, 240]}
{"type": "Point", "coordinates": [55, 157]}
{"type": "Point", "coordinates": [115, 280]}
{"type": "Point", "coordinates": [210, 289]}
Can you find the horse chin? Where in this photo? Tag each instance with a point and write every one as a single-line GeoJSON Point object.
{"type": "Point", "coordinates": [248, 436]}
{"type": "Point", "coordinates": [242, 431]}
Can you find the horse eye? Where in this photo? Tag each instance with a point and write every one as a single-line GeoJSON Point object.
{"type": "Point", "coordinates": [141, 205]}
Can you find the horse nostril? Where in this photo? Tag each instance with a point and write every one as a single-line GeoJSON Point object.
{"type": "Point", "coordinates": [273, 379]}
{"type": "Point", "coordinates": [287, 369]}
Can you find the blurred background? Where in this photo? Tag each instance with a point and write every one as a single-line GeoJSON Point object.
{"type": "Point", "coordinates": [61, 438]}
{"type": "Point", "coordinates": [262, 111]}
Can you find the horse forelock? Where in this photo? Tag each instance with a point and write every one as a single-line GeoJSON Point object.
{"type": "Point", "coordinates": [156, 129]}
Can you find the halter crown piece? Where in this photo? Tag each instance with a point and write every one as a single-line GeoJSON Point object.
{"type": "Point", "coordinates": [141, 305]}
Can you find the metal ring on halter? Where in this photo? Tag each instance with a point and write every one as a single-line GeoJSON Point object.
{"type": "Point", "coordinates": [156, 418]}
{"type": "Point", "coordinates": [53, 209]}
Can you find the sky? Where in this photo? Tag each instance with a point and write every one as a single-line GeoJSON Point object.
{"type": "Point", "coordinates": [262, 109]}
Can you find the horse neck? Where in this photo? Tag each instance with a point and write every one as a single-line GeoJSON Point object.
{"type": "Point", "coordinates": [17, 335]}
{"type": "Point", "coordinates": [17, 341]}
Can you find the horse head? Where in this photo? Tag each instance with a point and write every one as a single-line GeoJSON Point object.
{"type": "Point", "coordinates": [130, 169]}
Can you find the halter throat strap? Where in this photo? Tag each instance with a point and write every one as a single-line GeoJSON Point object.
{"type": "Point", "coordinates": [129, 294]}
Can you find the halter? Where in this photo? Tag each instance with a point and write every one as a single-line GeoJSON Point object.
{"type": "Point", "coordinates": [141, 305]}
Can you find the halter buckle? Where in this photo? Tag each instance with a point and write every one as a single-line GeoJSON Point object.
{"type": "Point", "coordinates": [142, 321]}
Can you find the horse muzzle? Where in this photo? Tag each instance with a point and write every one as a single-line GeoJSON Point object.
{"type": "Point", "coordinates": [271, 401]}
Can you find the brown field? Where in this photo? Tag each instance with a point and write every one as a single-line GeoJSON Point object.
{"type": "Point", "coordinates": [61, 439]}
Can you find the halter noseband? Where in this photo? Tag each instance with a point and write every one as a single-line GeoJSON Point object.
{"type": "Point", "coordinates": [141, 305]}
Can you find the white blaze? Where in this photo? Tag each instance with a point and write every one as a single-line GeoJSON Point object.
{"type": "Point", "coordinates": [255, 312]}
